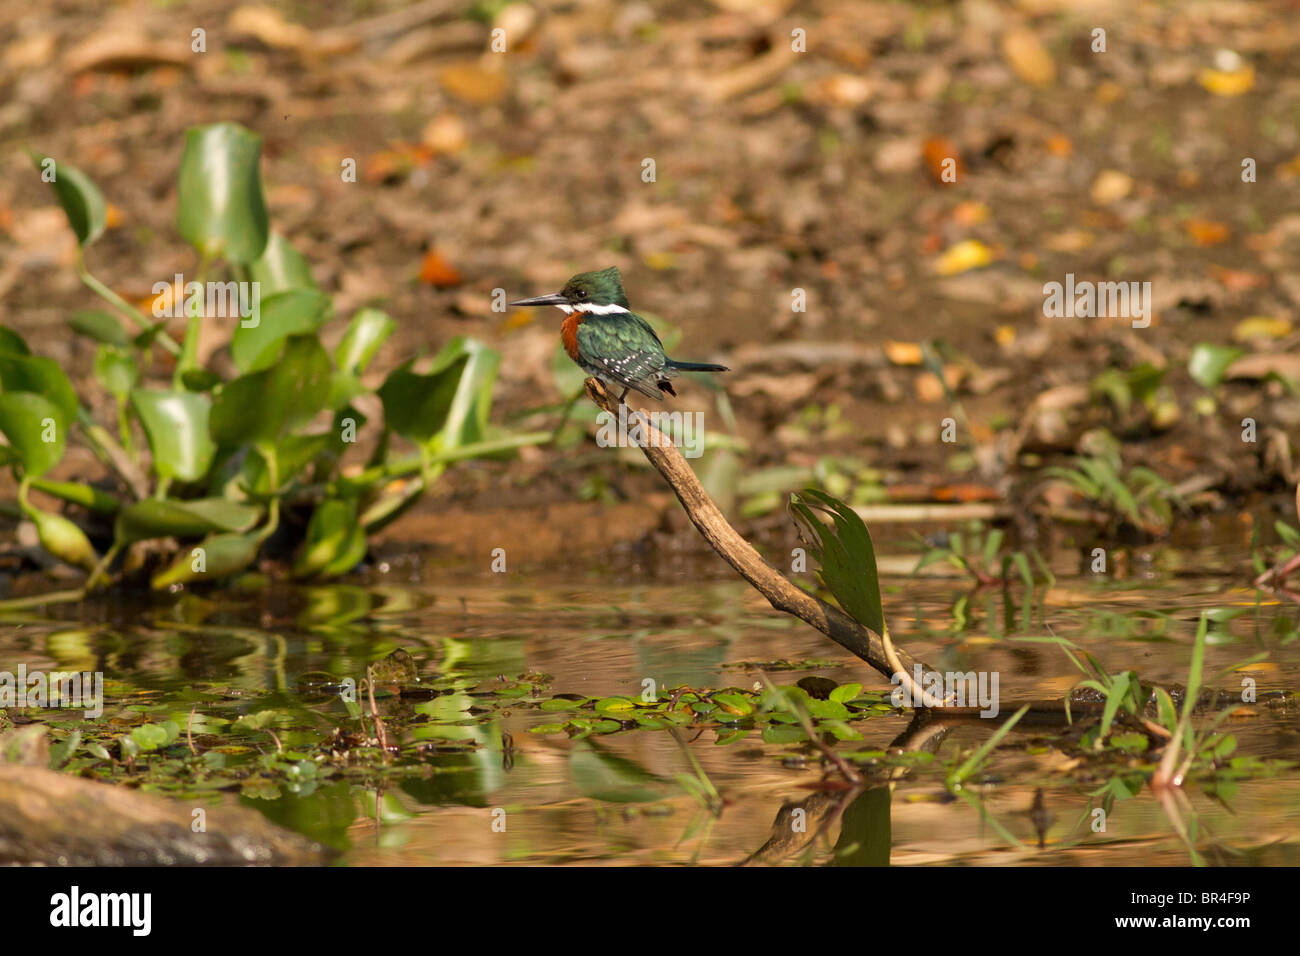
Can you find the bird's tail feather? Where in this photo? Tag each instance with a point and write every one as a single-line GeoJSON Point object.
{"type": "Point", "coordinates": [695, 366]}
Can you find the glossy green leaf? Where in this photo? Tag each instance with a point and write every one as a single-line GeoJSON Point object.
{"type": "Point", "coordinates": [451, 401]}
{"type": "Point", "coordinates": [176, 424]}
{"type": "Point", "coordinates": [1208, 363]}
{"type": "Point", "coordinates": [36, 430]}
{"type": "Point", "coordinates": [215, 557]}
{"type": "Point", "coordinates": [80, 198]}
{"type": "Point", "coordinates": [845, 554]}
{"type": "Point", "coordinates": [367, 331]}
{"type": "Point", "coordinates": [11, 341]}
{"type": "Point", "coordinates": [45, 377]}
{"type": "Point", "coordinates": [335, 541]}
{"type": "Point", "coordinates": [103, 327]}
{"type": "Point", "coordinates": [256, 345]}
{"type": "Point", "coordinates": [293, 454]}
{"type": "Point", "coordinates": [85, 495]}
{"type": "Point", "coordinates": [222, 211]}
{"type": "Point", "coordinates": [116, 370]}
{"type": "Point", "coordinates": [280, 268]}
{"type": "Point", "coordinates": [344, 388]}
{"type": "Point", "coordinates": [260, 406]}
{"type": "Point", "coordinates": [154, 518]}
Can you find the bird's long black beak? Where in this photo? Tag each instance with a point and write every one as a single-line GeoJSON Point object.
{"type": "Point", "coordinates": [553, 299]}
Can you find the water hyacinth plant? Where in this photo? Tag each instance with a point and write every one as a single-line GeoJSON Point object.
{"type": "Point", "coordinates": [222, 458]}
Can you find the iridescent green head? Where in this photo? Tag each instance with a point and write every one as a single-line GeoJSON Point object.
{"type": "Point", "coordinates": [596, 292]}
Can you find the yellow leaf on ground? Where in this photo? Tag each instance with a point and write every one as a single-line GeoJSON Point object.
{"type": "Point", "coordinates": [1261, 327]}
{"type": "Point", "coordinates": [445, 133]}
{"type": "Point", "coordinates": [965, 255]}
{"type": "Point", "coordinates": [1027, 56]}
{"type": "Point", "coordinates": [1228, 82]}
{"type": "Point", "coordinates": [903, 353]}
{"type": "Point", "coordinates": [473, 84]}
{"type": "Point", "coordinates": [1110, 186]}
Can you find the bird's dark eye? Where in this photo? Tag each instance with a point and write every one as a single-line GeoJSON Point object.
{"type": "Point", "coordinates": [582, 293]}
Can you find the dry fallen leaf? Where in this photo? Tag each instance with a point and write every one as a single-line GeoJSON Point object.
{"type": "Point", "coordinates": [1027, 56]}
{"type": "Point", "coordinates": [271, 27]}
{"type": "Point", "coordinates": [940, 157]}
{"type": "Point", "coordinates": [1207, 232]}
{"type": "Point", "coordinates": [1235, 280]}
{"type": "Point", "coordinates": [445, 133]}
{"type": "Point", "coordinates": [473, 84]}
{"type": "Point", "coordinates": [1059, 145]}
{"type": "Point", "coordinates": [1263, 364]}
{"type": "Point", "coordinates": [437, 271]}
{"type": "Point", "coordinates": [1110, 186]}
{"type": "Point", "coordinates": [970, 213]}
{"type": "Point", "coordinates": [398, 161]}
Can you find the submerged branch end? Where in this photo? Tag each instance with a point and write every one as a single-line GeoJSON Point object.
{"type": "Point", "coordinates": [780, 592]}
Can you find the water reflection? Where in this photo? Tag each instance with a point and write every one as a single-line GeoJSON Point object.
{"type": "Point", "coordinates": [486, 789]}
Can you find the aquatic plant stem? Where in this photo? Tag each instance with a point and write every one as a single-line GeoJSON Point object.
{"type": "Point", "coordinates": [128, 310]}
{"type": "Point", "coordinates": [780, 592]}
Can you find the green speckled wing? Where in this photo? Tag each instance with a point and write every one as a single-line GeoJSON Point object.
{"type": "Point", "coordinates": [624, 349]}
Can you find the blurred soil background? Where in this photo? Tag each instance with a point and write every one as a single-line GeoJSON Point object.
{"type": "Point", "coordinates": [795, 146]}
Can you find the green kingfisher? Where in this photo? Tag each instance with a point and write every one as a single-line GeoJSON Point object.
{"type": "Point", "coordinates": [610, 341]}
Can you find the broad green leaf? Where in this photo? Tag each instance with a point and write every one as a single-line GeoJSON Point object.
{"type": "Point", "coordinates": [222, 211]}
{"type": "Point", "coordinates": [280, 268]}
{"type": "Point", "coordinates": [11, 341]}
{"type": "Point", "coordinates": [149, 737]}
{"type": "Point", "coordinates": [845, 693]}
{"type": "Point", "coordinates": [366, 332]}
{"type": "Point", "coordinates": [450, 402]}
{"type": "Point", "coordinates": [416, 406]}
{"type": "Point", "coordinates": [344, 388]}
{"type": "Point", "coordinates": [846, 556]}
{"type": "Point", "coordinates": [335, 541]}
{"type": "Point", "coordinates": [80, 198]}
{"type": "Point", "coordinates": [215, 557]}
{"type": "Point", "coordinates": [293, 454]}
{"type": "Point", "coordinates": [176, 424]}
{"type": "Point", "coordinates": [43, 376]}
{"type": "Point", "coordinates": [260, 406]}
{"type": "Point", "coordinates": [103, 327]}
{"type": "Point", "coordinates": [116, 370]}
{"type": "Point", "coordinates": [154, 518]}
{"type": "Point", "coordinates": [1208, 363]}
{"type": "Point", "coordinates": [36, 429]}
{"type": "Point", "coordinates": [256, 345]}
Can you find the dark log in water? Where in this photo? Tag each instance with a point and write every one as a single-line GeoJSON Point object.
{"type": "Point", "coordinates": [55, 819]}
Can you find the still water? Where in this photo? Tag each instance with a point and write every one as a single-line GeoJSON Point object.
{"type": "Point", "coordinates": [471, 781]}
